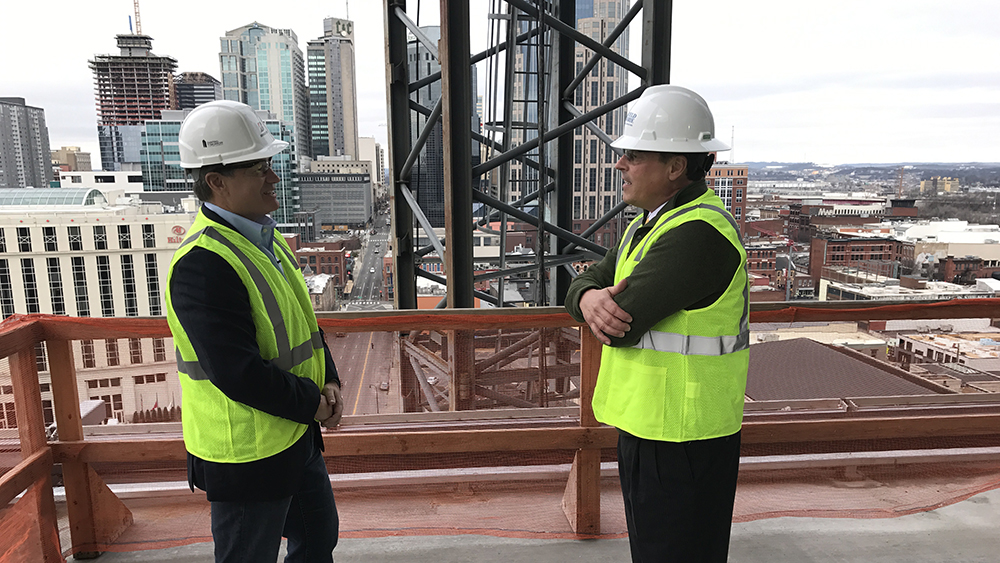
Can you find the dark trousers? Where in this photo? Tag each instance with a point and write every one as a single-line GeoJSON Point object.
{"type": "Point", "coordinates": [678, 497]}
{"type": "Point", "coordinates": [251, 532]}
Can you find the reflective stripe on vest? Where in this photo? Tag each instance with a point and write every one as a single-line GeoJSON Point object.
{"type": "Point", "coordinates": [687, 344]}
{"type": "Point", "coordinates": [288, 357]}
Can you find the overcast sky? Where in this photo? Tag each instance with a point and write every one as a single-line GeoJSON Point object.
{"type": "Point", "coordinates": [846, 82]}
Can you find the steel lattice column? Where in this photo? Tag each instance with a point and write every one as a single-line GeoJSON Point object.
{"type": "Point", "coordinates": [456, 109]}
{"type": "Point", "coordinates": [405, 291]}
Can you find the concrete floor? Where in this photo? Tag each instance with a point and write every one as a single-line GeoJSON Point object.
{"type": "Point", "coordinates": [965, 532]}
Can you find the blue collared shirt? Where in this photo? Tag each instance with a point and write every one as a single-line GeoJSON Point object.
{"type": "Point", "coordinates": [261, 233]}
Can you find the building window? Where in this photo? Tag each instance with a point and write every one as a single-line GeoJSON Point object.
{"type": "Point", "coordinates": [593, 151]}
{"type": "Point", "coordinates": [24, 239]}
{"type": "Point", "coordinates": [124, 237]}
{"type": "Point", "coordinates": [128, 287]}
{"type": "Point", "coordinates": [10, 414]}
{"type": "Point", "coordinates": [135, 350]}
{"type": "Point", "coordinates": [80, 287]}
{"type": "Point", "coordinates": [576, 207]}
{"type": "Point", "coordinates": [100, 238]}
{"type": "Point", "coordinates": [149, 236]}
{"type": "Point", "coordinates": [87, 351]}
{"type": "Point", "coordinates": [153, 285]}
{"type": "Point", "coordinates": [75, 238]}
{"type": "Point", "coordinates": [41, 358]}
{"type": "Point", "coordinates": [30, 285]}
{"type": "Point", "coordinates": [739, 194]}
{"type": "Point", "coordinates": [48, 415]}
{"type": "Point", "coordinates": [6, 290]}
{"type": "Point", "coordinates": [49, 239]}
{"type": "Point", "coordinates": [111, 347]}
{"type": "Point", "coordinates": [577, 179]}
{"type": "Point", "coordinates": [56, 287]}
{"type": "Point", "coordinates": [104, 285]}
{"type": "Point", "coordinates": [159, 350]}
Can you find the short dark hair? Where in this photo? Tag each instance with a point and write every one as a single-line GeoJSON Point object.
{"type": "Point", "coordinates": [698, 163]}
{"type": "Point", "coordinates": [201, 188]}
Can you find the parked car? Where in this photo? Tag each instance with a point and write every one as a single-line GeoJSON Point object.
{"type": "Point", "coordinates": [371, 270]}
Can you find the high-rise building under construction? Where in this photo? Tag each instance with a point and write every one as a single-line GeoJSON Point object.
{"type": "Point", "coordinates": [131, 87]}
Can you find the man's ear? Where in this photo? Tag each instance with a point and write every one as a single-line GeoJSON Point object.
{"type": "Point", "coordinates": [215, 181]}
{"type": "Point", "coordinates": [676, 167]}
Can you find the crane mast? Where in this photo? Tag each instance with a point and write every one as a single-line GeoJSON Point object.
{"type": "Point", "coordinates": [138, 26]}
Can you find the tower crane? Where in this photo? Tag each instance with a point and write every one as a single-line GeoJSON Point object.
{"type": "Point", "coordinates": [138, 26]}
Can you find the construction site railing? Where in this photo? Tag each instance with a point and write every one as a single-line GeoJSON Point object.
{"type": "Point", "coordinates": [97, 517]}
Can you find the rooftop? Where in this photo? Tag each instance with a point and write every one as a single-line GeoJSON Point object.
{"type": "Point", "coordinates": [51, 197]}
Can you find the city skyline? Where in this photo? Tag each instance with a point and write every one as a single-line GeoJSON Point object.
{"type": "Point", "coordinates": [797, 82]}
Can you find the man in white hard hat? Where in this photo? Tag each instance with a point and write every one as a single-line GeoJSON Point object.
{"type": "Point", "coordinates": [256, 376]}
{"type": "Point", "coordinates": [670, 305]}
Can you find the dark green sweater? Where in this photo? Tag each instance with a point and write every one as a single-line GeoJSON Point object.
{"type": "Point", "coordinates": [689, 267]}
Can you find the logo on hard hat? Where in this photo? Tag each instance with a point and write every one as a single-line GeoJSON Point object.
{"type": "Point", "coordinates": [207, 144]}
{"type": "Point", "coordinates": [263, 129]}
{"type": "Point", "coordinates": [629, 118]}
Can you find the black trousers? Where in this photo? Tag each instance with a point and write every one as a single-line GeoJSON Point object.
{"type": "Point", "coordinates": [678, 497]}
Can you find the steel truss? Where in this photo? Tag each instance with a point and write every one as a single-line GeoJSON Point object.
{"type": "Point", "coordinates": [544, 32]}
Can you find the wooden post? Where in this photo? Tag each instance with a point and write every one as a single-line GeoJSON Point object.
{"type": "Point", "coordinates": [462, 365]}
{"type": "Point", "coordinates": [31, 430]}
{"type": "Point", "coordinates": [582, 497]}
{"type": "Point", "coordinates": [96, 516]}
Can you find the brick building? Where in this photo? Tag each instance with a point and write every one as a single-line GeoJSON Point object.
{"type": "Point", "coordinates": [883, 256]}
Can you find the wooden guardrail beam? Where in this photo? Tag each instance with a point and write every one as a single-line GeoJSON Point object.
{"type": "Point", "coordinates": [24, 474]}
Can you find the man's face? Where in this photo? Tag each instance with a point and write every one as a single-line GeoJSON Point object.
{"type": "Point", "coordinates": [249, 191]}
{"type": "Point", "coordinates": [645, 179]}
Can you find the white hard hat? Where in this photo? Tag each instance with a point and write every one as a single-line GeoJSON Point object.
{"type": "Point", "coordinates": [225, 132]}
{"type": "Point", "coordinates": [669, 118]}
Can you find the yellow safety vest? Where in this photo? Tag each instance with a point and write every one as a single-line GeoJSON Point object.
{"type": "Point", "coordinates": [686, 378]}
{"type": "Point", "coordinates": [216, 428]}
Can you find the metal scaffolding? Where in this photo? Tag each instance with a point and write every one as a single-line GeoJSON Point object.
{"type": "Point", "coordinates": [531, 42]}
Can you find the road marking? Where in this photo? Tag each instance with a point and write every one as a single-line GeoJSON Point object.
{"type": "Point", "coordinates": [363, 369]}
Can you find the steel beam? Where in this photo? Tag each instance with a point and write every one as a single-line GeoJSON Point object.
{"type": "Point", "coordinates": [608, 42]}
{"type": "Point", "coordinates": [478, 57]}
{"type": "Point", "coordinates": [456, 112]}
{"type": "Point", "coordinates": [585, 40]}
{"type": "Point", "coordinates": [657, 17]}
{"type": "Point", "coordinates": [565, 70]}
{"type": "Point", "coordinates": [532, 220]}
{"type": "Point", "coordinates": [564, 128]}
{"type": "Point", "coordinates": [405, 292]}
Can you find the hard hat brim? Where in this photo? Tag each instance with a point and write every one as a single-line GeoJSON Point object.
{"type": "Point", "coordinates": [680, 146]}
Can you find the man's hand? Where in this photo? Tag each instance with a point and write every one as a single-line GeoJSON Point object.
{"type": "Point", "coordinates": [603, 315]}
{"type": "Point", "coordinates": [324, 410]}
{"type": "Point", "coordinates": [331, 392]}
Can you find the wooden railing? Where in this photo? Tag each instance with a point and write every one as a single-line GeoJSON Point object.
{"type": "Point", "coordinates": [97, 517]}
